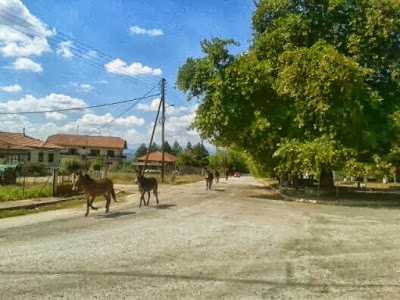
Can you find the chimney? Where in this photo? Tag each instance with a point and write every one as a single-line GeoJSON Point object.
{"type": "Point", "coordinates": [23, 131]}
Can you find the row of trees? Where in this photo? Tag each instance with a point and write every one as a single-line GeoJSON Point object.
{"type": "Point", "coordinates": [317, 90]}
{"type": "Point", "coordinates": [198, 156]}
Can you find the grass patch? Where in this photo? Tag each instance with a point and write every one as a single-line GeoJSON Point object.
{"type": "Point", "coordinates": [17, 192]}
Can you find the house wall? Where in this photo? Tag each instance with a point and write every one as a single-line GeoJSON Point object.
{"type": "Point", "coordinates": [32, 156]}
{"type": "Point", "coordinates": [114, 156]}
{"type": "Point", "coordinates": [44, 156]}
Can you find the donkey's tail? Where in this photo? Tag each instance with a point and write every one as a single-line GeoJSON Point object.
{"type": "Point", "coordinates": [113, 195]}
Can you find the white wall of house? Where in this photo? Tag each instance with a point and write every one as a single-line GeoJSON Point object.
{"type": "Point", "coordinates": [50, 158]}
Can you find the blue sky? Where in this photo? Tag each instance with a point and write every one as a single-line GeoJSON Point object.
{"type": "Point", "coordinates": [56, 55]}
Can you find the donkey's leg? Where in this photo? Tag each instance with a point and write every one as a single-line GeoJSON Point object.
{"type": "Point", "coordinates": [108, 200]}
{"type": "Point", "coordinates": [142, 199]}
{"type": "Point", "coordinates": [148, 197]}
{"type": "Point", "coordinates": [91, 202]}
{"type": "Point", "coordinates": [156, 193]}
{"type": "Point", "coordinates": [87, 206]}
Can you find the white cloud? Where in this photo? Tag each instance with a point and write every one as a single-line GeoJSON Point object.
{"type": "Point", "coordinates": [151, 32]}
{"type": "Point", "coordinates": [26, 64]}
{"type": "Point", "coordinates": [153, 106]}
{"type": "Point", "coordinates": [99, 120]}
{"type": "Point", "coordinates": [82, 87]}
{"type": "Point", "coordinates": [21, 33]}
{"type": "Point", "coordinates": [64, 49]}
{"type": "Point", "coordinates": [55, 116]}
{"type": "Point", "coordinates": [120, 67]}
{"type": "Point", "coordinates": [50, 102]}
{"type": "Point", "coordinates": [129, 121]}
{"type": "Point", "coordinates": [11, 88]}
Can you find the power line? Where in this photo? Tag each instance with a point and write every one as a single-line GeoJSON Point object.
{"type": "Point", "coordinates": [75, 50]}
{"type": "Point", "coordinates": [78, 108]}
{"type": "Point", "coordinates": [129, 108]}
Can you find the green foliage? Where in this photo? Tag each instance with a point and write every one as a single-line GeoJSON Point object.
{"type": "Point", "coordinates": [196, 156]}
{"type": "Point", "coordinates": [35, 168]}
{"type": "Point", "coordinates": [318, 84]}
{"type": "Point", "coordinates": [98, 163]}
{"type": "Point", "coordinates": [142, 150]}
{"type": "Point", "coordinates": [72, 165]}
{"type": "Point", "coordinates": [176, 149]}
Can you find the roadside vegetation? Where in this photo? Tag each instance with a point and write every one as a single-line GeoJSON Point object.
{"type": "Point", "coordinates": [316, 91]}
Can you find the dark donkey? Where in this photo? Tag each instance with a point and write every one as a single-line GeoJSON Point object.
{"type": "Point", "coordinates": [209, 180]}
{"type": "Point", "coordinates": [92, 188]}
{"type": "Point", "coordinates": [146, 185]}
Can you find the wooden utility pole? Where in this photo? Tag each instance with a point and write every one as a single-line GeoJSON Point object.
{"type": "Point", "coordinates": [152, 135]}
{"type": "Point", "coordinates": [162, 128]}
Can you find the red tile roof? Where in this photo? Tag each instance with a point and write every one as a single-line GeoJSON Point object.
{"type": "Point", "coordinates": [74, 140]}
{"type": "Point", "coordinates": [10, 140]}
{"type": "Point", "coordinates": [156, 156]}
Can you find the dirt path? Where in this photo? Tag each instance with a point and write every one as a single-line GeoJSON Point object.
{"type": "Point", "coordinates": [236, 241]}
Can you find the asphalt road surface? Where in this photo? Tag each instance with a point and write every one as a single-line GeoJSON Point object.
{"type": "Point", "coordinates": [235, 241]}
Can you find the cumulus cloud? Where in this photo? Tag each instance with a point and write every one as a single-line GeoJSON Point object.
{"type": "Point", "coordinates": [129, 121]}
{"type": "Point", "coordinates": [64, 49]}
{"type": "Point", "coordinates": [99, 120]}
{"type": "Point", "coordinates": [153, 106]}
{"type": "Point", "coordinates": [55, 116]}
{"type": "Point", "coordinates": [11, 88]}
{"type": "Point", "coordinates": [120, 67]}
{"type": "Point", "coordinates": [151, 32]}
{"type": "Point", "coordinates": [15, 40]}
{"type": "Point", "coordinates": [26, 64]}
{"type": "Point", "coordinates": [50, 102]}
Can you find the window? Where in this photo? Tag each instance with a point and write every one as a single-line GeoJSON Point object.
{"type": "Point", "coordinates": [94, 152]}
{"type": "Point", "coordinates": [110, 153]}
{"type": "Point", "coordinates": [41, 156]}
{"type": "Point", "coordinates": [51, 157]}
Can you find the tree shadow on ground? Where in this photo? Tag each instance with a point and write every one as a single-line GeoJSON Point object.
{"type": "Point", "coordinates": [116, 215]}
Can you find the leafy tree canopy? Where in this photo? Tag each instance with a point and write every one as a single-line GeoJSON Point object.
{"type": "Point", "coordinates": [318, 75]}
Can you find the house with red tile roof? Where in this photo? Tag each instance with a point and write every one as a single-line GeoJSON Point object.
{"type": "Point", "coordinates": [89, 147]}
{"type": "Point", "coordinates": [18, 147]}
{"type": "Point", "coordinates": [154, 161]}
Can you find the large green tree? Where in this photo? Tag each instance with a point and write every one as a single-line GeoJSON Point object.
{"type": "Point", "coordinates": [318, 74]}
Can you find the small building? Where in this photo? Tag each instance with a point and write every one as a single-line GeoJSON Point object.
{"type": "Point", "coordinates": [87, 147]}
{"type": "Point", "coordinates": [154, 162]}
{"type": "Point", "coordinates": [20, 148]}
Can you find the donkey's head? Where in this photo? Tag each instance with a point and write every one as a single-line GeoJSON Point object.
{"type": "Point", "coordinates": [79, 181]}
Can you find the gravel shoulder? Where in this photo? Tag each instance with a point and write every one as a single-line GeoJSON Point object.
{"type": "Point", "coordinates": [235, 241]}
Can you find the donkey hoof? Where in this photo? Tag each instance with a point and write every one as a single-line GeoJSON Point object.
{"type": "Point", "coordinates": [86, 214]}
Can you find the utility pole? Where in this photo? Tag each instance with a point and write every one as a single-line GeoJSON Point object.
{"type": "Point", "coordinates": [162, 128]}
{"type": "Point", "coordinates": [151, 139]}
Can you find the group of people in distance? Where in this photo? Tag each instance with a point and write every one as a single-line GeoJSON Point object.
{"type": "Point", "coordinates": [210, 178]}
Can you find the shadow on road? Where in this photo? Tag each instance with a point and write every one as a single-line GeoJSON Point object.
{"type": "Point", "coordinates": [165, 206]}
{"type": "Point", "coordinates": [115, 215]}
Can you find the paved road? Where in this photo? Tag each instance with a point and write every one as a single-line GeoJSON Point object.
{"type": "Point", "coordinates": [236, 241]}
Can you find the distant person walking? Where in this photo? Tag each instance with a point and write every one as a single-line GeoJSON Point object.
{"type": "Point", "coordinates": [217, 176]}
{"type": "Point", "coordinates": [226, 174]}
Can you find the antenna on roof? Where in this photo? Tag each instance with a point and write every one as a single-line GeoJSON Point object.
{"type": "Point", "coordinates": [23, 131]}
{"type": "Point", "coordinates": [77, 129]}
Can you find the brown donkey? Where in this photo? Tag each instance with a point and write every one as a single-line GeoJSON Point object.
{"type": "Point", "coordinates": [92, 188]}
{"type": "Point", "coordinates": [146, 185]}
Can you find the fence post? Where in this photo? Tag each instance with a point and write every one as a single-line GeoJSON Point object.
{"type": "Point", "coordinates": [55, 179]}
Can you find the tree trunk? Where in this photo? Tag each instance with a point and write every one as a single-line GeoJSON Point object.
{"type": "Point", "coordinates": [326, 179]}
